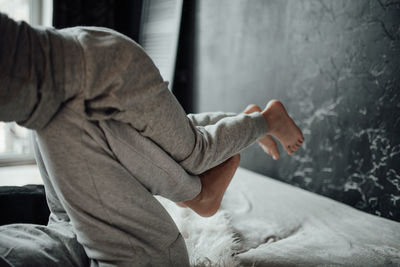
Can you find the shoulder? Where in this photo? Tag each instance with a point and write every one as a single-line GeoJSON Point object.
{"type": "Point", "coordinates": [98, 34]}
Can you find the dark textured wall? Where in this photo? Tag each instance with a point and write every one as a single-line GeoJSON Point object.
{"type": "Point", "coordinates": [335, 65]}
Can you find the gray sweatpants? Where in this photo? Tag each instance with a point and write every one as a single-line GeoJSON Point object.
{"type": "Point", "coordinates": [118, 138]}
{"type": "Point", "coordinates": [105, 173]}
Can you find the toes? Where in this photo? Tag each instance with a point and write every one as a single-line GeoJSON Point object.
{"type": "Point", "coordinates": [298, 144]}
{"type": "Point", "coordinates": [289, 150]}
{"type": "Point", "coordinates": [252, 108]}
{"type": "Point", "coordinates": [274, 153]}
{"type": "Point", "coordinates": [269, 146]}
{"type": "Point", "coordinates": [265, 148]}
{"type": "Point", "coordinates": [293, 148]}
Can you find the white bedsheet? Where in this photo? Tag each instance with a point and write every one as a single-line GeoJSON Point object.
{"type": "Point", "coordinates": [280, 225]}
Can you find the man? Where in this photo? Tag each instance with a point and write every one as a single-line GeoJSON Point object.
{"type": "Point", "coordinates": [108, 136]}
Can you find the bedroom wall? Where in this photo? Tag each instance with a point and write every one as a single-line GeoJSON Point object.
{"type": "Point", "coordinates": [335, 65]}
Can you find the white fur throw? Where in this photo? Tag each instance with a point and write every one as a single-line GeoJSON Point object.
{"type": "Point", "coordinates": [210, 241]}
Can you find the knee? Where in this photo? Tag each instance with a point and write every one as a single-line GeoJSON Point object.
{"type": "Point", "coordinates": [178, 254]}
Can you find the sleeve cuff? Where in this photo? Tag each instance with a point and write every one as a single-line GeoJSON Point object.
{"type": "Point", "coordinates": [260, 126]}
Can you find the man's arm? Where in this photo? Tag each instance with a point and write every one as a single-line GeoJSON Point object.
{"type": "Point", "coordinates": [40, 69]}
{"type": "Point", "coordinates": [33, 72]}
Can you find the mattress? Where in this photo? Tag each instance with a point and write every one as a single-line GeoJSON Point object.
{"type": "Point", "coordinates": [264, 222]}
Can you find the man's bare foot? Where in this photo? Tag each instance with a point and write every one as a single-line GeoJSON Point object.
{"type": "Point", "coordinates": [214, 184]}
{"type": "Point", "coordinates": [282, 127]}
{"type": "Point", "coordinates": [269, 146]}
{"type": "Point", "coordinates": [266, 143]}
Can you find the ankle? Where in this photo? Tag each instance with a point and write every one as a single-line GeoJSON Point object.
{"type": "Point", "coordinates": [269, 120]}
{"type": "Point", "coordinates": [273, 115]}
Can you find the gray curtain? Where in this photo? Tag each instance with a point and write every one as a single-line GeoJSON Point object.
{"type": "Point", "coordinates": [120, 15]}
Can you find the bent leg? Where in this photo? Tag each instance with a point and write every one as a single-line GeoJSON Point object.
{"type": "Point", "coordinates": [57, 212]}
{"type": "Point", "coordinates": [115, 217]}
{"type": "Point", "coordinates": [38, 245]}
{"type": "Point", "coordinates": [149, 163]}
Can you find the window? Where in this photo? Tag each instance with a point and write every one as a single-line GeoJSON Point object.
{"type": "Point", "coordinates": [159, 34]}
{"type": "Point", "coordinates": [16, 9]}
{"type": "Point", "coordinates": [15, 146]}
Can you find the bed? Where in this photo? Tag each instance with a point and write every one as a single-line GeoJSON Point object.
{"type": "Point", "coordinates": [264, 222]}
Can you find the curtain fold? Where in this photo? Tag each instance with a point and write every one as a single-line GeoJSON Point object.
{"type": "Point", "coordinates": [120, 15]}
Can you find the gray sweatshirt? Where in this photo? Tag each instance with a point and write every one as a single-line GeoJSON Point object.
{"type": "Point", "coordinates": [114, 79]}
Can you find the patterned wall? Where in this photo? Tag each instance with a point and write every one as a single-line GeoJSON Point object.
{"type": "Point", "coordinates": [335, 65]}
